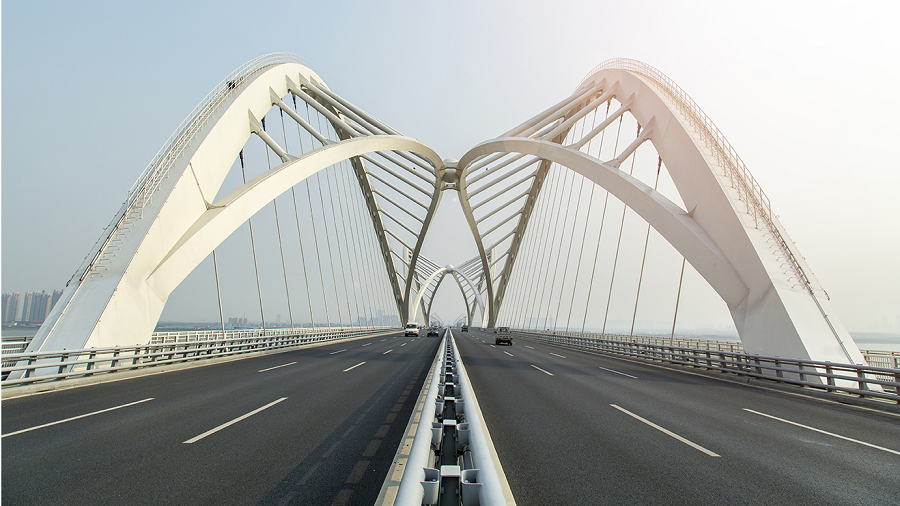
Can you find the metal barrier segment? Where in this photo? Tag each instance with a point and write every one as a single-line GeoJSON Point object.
{"type": "Point", "coordinates": [58, 365]}
{"type": "Point", "coordinates": [879, 383]}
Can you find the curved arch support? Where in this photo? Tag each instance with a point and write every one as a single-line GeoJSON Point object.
{"type": "Point", "coordinates": [772, 317]}
{"type": "Point", "coordinates": [440, 272]}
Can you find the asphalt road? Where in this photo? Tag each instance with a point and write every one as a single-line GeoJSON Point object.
{"type": "Point", "coordinates": [572, 427]}
{"type": "Point", "coordinates": [311, 426]}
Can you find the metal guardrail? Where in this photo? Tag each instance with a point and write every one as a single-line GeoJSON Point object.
{"type": "Point", "coordinates": [450, 461]}
{"type": "Point", "coordinates": [174, 347]}
{"type": "Point", "coordinates": [881, 383]}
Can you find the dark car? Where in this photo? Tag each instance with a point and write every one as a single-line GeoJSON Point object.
{"type": "Point", "coordinates": [432, 331]}
{"type": "Point", "coordinates": [465, 328]}
{"type": "Point", "coordinates": [503, 336]}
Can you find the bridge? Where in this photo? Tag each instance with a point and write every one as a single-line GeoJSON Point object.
{"type": "Point", "coordinates": [322, 406]}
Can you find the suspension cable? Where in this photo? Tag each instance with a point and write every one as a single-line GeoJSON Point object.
{"type": "Point", "coordinates": [562, 286]}
{"type": "Point", "coordinates": [337, 297]}
{"type": "Point", "coordinates": [362, 273]}
{"type": "Point", "coordinates": [278, 229]}
{"type": "Point", "coordinates": [552, 237]}
{"type": "Point", "coordinates": [644, 258]}
{"type": "Point", "coordinates": [587, 221]}
{"type": "Point", "coordinates": [218, 292]}
{"type": "Point", "coordinates": [312, 319]}
{"type": "Point", "coordinates": [532, 289]}
{"type": "Point", "coordinates": [253, 247]}
{"type": "Point", "coordinates": [612, 278]}
{"type": "Point", "coordinates": [602, 222]}
{"type": "Point", "coordinates": [678, 297]}
{"type": "Point", "coordinates": [562, 234]}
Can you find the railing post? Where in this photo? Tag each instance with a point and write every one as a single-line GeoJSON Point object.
{"type": "Point", "coordinates": [829, 380]}
{"type": "Point", "coordinates": [62, 360]}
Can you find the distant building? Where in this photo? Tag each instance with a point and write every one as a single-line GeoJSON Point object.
{"type": "Point", "coordinates": [11, 307]}
{"type": "Point", "coordinates": [33, 308]}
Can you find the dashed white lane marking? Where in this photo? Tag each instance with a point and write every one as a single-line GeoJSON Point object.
{"type": "Point", "coordinates": [370, 344]}
{"type": "Point", "coordinates": [236, 420]}
{"type": "Point", "coordinates": [383, 340]}
{"type": "Point", "coordinates": [667, 432]}
{"type": "Point", "coordinates": [492, 346]}
{"type": "Point", "coordinates": [390, 350]}
{"type": "Point", "coordinates": [617, 372]}
{"type": "Point", "coordinates": [508, 353]}
{"type": "Point", "coordinates": [75, 418]}
{"type": "Point", "coordinates": [336, 352]}
{"type": "Point", "coordinates": [543, 371]}
{"type": "Point", "coordinates": [555, 355]}
{"type": "Point", "coordinates": [354, 367]}
{"type": "Point", "coordinates": [404, 344]}
{"type": "Point", "coordinates": [278, 366]}
{"type": "Point", "coordinates": [529, 347]}
{"type": "Point", "coordinates": [845, 438]}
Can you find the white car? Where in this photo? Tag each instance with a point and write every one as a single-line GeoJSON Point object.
{"type": "Point", "coordinates": [411, 330]}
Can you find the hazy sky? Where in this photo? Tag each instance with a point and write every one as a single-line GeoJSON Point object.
{"type": "Point", "coordinates": [805, 91]}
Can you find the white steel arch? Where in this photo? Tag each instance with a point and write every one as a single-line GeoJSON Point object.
{"type": "Point", "coordinates": [729, 234]}
{"type": "Point", "coordinates": [168, 225]}
{"type": "Point", "coordinates": [726, 229]}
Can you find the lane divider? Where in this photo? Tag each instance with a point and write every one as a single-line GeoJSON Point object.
{"type": "Point", "coordinates": [75, 418]}
{"type": "Point", "coordinates": [452, 460]}
{"type": "Point", "coordinates": [617, 372]}
{"type": "Point", "coordinates": [232, 422]}
{"type": "Point", "coordinates": [354, 367]}
{"type": "Point", "coordinates": [667, 432]}
{"type": "Point", "coordinates": [539, 369]}
{"type": "Point", "coordinates": [820, 431]}
{"type": "Point", "coordinates": [278, 366]}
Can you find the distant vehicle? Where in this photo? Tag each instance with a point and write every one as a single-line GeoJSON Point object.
{"type": "Point", "coordinates": [432, 331]}
{"type": "Point", "coordinates": [465, 328]}
{"type": "Point", "coordinates": [503, 336]}
{"type": "Point", "coordinates": [411, 330]}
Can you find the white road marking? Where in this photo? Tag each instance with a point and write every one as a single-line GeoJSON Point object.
{"type": "Point", "coordinates": [870, 445]}
{"type": "Point", "coordinates": [555, 355]}
{"type": "Point", "coordinates": [390, 350]}
{"type": "Point", "coordinates": [75, 417]}
{"type": "Point", "coordinates": [492, 346]}
{"type": "Point", "coordinates": [236, 420]}
{"type": "Point", "coordinates": [667, 432]}
{"type": "Point", "coordinates": [543, 371]}
{"type": "Point", "coordinates": [383, 340]}
{"type": "Point", "coordinates": [617, 372]}
{"type": "Point", "coordinates": [529, 347]}
{"type": "Point", "coordinates": [404, 344]}
{"type": "Point", "coordinates": [282, 365]}
{"type": "Point", "coordinates": [370, 344]}
{"type": "Point", "coordinates": [508, 353]}
{"type": "Point", "coordinates": [336, 352]}
{"type": "Point", "coordinates": [354, 367]}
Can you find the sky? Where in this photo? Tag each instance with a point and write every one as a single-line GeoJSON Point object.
{"type": "Point", "coordinates": [806, 93]}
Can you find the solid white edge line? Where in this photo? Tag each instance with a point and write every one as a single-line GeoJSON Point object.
{"type": "Point", "coordinates": [75, 418]}
{"type": "Point", "coordinates": [667, 432]}
{"type": "Point", "coordinates": [339, 351]}
{"type": "Point", "coordinates": [539, 369]}
{"type": "Point", "coordinates": [236, 420]}
{"type": "Point", "coordinates": [354, 367]}
{"type": "Point", "coordinates": [508, 353]}
{"type": "Point", "coordinates": [390, 350]}
{"type": "Point", "coordinates": [276, 367]}
{"type": "Point", "coordinates": [555, 355]}
{"type": "Point", "coordinates": [870, 445]}
{"type": "Point", "coordinates": [617, 372]}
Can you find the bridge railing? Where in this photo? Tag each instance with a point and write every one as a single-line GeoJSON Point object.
{"type": "Point", "coordinates": [172, 347]}
{"type": "Point", "coordinates": [857, 380]}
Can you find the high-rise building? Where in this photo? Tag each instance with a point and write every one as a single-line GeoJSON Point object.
{"type": "Point", "coordinates": [10, 307]}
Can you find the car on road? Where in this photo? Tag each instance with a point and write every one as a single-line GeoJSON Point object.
{"type": "Point", "coordinates": [503, 336]}
{"type": "Point", "coordinates": [465, 328]}
{"type": "Point", "coordinates": [411, 330]}
{"type": "Point", "coordinates": [432, 331]}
